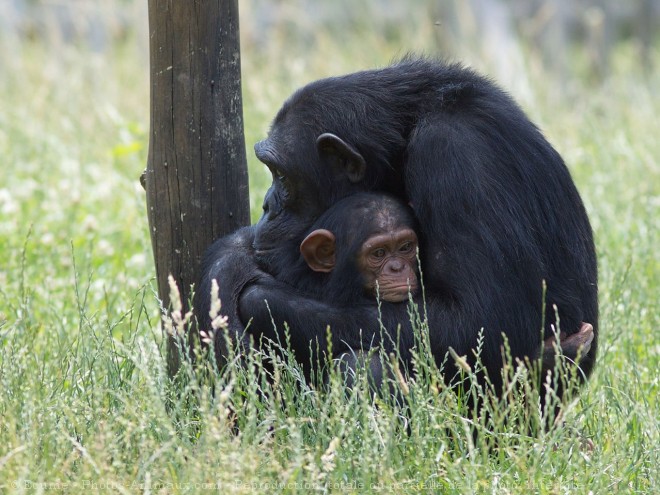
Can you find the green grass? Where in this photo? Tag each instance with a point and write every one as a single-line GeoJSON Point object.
{"type": "Point", "coordinates": [84, 398]}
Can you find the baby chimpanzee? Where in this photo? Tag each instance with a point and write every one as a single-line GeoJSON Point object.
{"type": "Point", "coordinates": [363, 249]}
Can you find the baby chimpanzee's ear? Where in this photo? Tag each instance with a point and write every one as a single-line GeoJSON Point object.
{"type": "Point", "coordinates": [318, 249]}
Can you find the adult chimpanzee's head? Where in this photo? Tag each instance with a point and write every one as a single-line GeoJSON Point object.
{"type": "Point", "coordinates": [328, 141]}
{"type": "Point", "coordinates": [368, 246]}
{"type": "Point", "coordinates": [305, 184]}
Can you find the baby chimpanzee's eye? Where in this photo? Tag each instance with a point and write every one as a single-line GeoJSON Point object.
{"type": "Point", "coordinates": [378, 253]}
{"type": "Point", "coordinates": [406, 247]}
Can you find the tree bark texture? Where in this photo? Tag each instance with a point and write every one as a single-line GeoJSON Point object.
{"type": "Point", "coordinates": [196, 177]}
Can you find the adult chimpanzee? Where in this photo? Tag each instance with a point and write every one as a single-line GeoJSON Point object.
{"type": "Point", "coordinates": [498, 214]}
{"type": "Point", "coordinates": [364, 249]}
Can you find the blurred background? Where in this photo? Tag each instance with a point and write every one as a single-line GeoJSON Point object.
{"type": "Point", "coordinates": [508, 35]}
{"type": "Point", "coordinates": [491, 30]}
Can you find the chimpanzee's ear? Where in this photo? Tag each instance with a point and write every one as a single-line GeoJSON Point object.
{"type": "Point", "coordinates": [318, 249]}
{"type": "Point", "coordinates": [353, 163]}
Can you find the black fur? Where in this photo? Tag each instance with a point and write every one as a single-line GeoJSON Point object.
{"type": "Point", "coordinates": [498, 213]}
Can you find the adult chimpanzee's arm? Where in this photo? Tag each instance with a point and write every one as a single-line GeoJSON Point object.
{"type": "Point", "coordinates": [269, 305]}
{"type": "Point", "coordinates": [230, 261]}
{"type": "Point", "coordinates": [498, 215]}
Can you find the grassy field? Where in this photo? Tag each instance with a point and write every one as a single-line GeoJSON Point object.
{"type": "Point", "coordinates": [85, 404]}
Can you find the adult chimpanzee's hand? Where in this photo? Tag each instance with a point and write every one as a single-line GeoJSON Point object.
{"type": "Point", "coordinates": [572, 346]}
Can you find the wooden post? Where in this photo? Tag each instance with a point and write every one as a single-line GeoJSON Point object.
{"type": "Point", "coordinates": [196, 178]}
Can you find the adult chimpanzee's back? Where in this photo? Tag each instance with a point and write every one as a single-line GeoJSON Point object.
{"type": "Point", "coordinates": [498, 211]}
